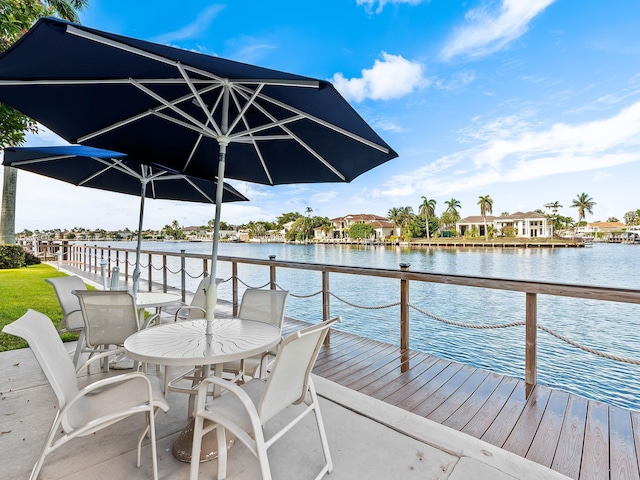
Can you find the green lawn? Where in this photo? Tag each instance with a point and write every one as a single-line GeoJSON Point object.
{"type": "Point", "coordinates": [24, 288]}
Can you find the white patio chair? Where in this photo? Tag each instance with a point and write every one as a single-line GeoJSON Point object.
{"type": "Point", "coordinates": [110, 317]}
{"type": "Point", "coordinates": [197, 308]}
{"type": "Point", "coordinates": [194, 311]}
{"type": "Point", "coordinates": [71, 314]}
{"type": "Point", "coordinates": [259, 305]}
{"type": "Point", "coordinates": [262, 306]}
{"type": "Point", "coordinates": [84, 412]}
{"type": "Point", "coordinates": [244, 410]}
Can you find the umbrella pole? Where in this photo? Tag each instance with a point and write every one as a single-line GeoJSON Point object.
{"type": "Point", "coordinates": [136, 270]}
{"type": "Point", "coordinates": [212, 294]}
{"type": "Point", "coordinates": [223, 141]}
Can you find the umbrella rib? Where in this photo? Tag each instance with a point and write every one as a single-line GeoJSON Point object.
{"type": "Point", "coordinates": [199, 139]}
{"type": "Point", "coordinates": [197, 96]}
{"type": "Point", "coordinates": [303, 144]}
{"type": "Point", "coordinates": [255, 145]}
{"type": "Point", "coordinates": [41, 160]}
{"type": "Point", "coordinates": [141, 115]}
{"type": "Point", "coordinates": [324, 123]}
{"type": "Point", "coordinates": [108, 166]}
{"type": "Point", "coordinates": [172, 107]}
{"type": "Point", "coordinates": [206, 133]}
{"type": "Point", "coordinates": [244, 108]}
{"type": "Point", "coordinates": [159, 58]}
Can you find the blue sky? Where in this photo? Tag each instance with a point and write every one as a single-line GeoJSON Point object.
{"type": "Point", "coordinates": [528, 101]}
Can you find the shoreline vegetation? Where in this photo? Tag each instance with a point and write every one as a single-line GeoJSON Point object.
{"type": "Point", "coordinates": [420, 242]}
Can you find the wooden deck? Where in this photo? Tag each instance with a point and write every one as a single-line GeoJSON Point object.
{"type": "Point", "coordinates": [580, 438]}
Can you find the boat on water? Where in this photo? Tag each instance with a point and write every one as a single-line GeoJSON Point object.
{"type": "Point", "coordinates": [632, 234]}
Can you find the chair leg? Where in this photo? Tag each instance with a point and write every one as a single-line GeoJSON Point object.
{"type": "Point", "coordinates": [222, 452]}
{"type": "Point", "coordinates": [321, 430]}
{"type": "Point", "coordinates": [151, 428]}
{"type": "Point", "coordinates": [261, 453]}
{"type": "Point", "coordinates": [154, 453]}
{"type": "Point", "coordinates": [79, 346]}
{"type": "Point", "coordinates": [195, 447]}
{"type": "Point", "coordinates": [46, 448]}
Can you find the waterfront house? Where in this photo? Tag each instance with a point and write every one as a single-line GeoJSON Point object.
{"type": "Point", "coordinates": [519, 224]}
{"type": "Point", "coordinates": [595, 228]}
{"type": "Point", "coordinates": [383, 228]}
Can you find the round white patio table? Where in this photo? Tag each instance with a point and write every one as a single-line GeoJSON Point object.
{"type": "Point", "coordinates": [156, 300]}
{"type": "Point", "coordinates": [186, 343]}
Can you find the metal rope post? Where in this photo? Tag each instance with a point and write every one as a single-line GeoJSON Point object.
{"type": "Point", "coordinates": [183, 270]}
{"type": "Point", "coordinates": [326, 304]}
{"type": "Point", "coordinates": [404, 320]}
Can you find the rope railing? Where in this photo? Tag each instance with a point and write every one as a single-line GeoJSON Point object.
{"type": "Point", "coordinates": [540, 327]}
{"type": "Point", "coordinates": [376, 307]}
{"type": "Point", "coordinates": [88, 256]}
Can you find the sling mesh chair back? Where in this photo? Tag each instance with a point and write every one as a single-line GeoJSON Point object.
{"type": "Point", "coordinates": [71, 314]}
{"type": "Point", "coordinates": [100, 404]}
{"type": "Point", "coordinates": [197, 308]}
{"type": "Point", "coordinates": [110, 318]}
{"type": "Point", "coordinates": [259, 305]}
{"type": "Point", "coordinates": [245, 409]}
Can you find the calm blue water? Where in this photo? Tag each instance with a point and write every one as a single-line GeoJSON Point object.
{"type": "Point", "coordinates": [605, 326]}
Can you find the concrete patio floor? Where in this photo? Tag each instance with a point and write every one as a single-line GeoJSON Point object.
{"type": "Point", "coordinates": [368, 439]}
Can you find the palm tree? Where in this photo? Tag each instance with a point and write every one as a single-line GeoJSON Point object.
{"type": "Point", "coordinates": [584, 203]}
{"type": "Point", "coordinates": [401, 216]}
{"type": "Point", "coordinates": [65, 9]}
{"type": "Point", "coordinates": [554, 214]}
{"type": "Point", "coordinates": [452, 206]}
{"type": "Point", "coordinates": [486, 206]}
{"type": "Point", "coordinates": [427, 210]}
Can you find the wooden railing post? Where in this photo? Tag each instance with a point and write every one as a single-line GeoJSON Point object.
{"type": "Point", "coordinates": [95, 260]}
{"type": "Point", "coordinates": [326, 304]}
{"type": "Point", "coordinates": [183, 275]}
{"type": "Point", "coordinates": [109, 259]}
{"type": "Point", "coordinates": [272, 273]}
{"type": "Point", "coordinates": [234, 287]}
{"type": "Point", "coordinates": [404, 320]}
{"type": "Point", "coordinates": [531, 341]}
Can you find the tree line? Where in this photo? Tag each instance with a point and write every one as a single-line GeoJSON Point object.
{"type": "Point", "coordinates": [425, 223]}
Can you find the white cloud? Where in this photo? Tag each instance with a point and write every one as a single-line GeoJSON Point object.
{"type": "Point", "coordinates": [195, 28]}
{"type": "Point", "coordinates": [527, 154]}
{"type": "Point", "coordinates": [487, 32]}
{"type": "Point", "coordinates": [324, 197]}
{"type": "Point", "coordinates": [391, 77]}
{"type": "Point", "coordinates": [369, 4]}
{"type": "Point", "coordinates": [458, 81]}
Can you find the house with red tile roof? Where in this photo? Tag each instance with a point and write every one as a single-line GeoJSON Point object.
{"type": "Point", "coordinates": [383, 228]}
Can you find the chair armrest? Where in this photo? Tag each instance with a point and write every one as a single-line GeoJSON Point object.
{"type": "Point", "coordinates": [109, 353]}
{"type": "Point", "coordinates": [123, 377]}
{"type": "Point", "coordinates": [94, 388]}
{"type": "Point", "coordinates": [149, 320]}
{"type": "Point", "coordinates": [187, 307]}
{"type": "Point", "coordinates": [225, 385]}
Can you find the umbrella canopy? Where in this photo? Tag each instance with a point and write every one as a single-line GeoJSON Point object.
{"type": "Point", "coordinates": [185, 109]}
{"type": "Point", "coordinates": [109, 170]}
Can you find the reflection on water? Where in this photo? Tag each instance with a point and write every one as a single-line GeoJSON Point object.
{"type": "Point", "coordinates": [606, 326]}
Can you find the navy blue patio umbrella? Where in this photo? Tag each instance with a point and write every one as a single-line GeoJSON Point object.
{"type": "Point", "coordinates": [108, 170]}
{"type": "Point", "coordinates": [187, 110]}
